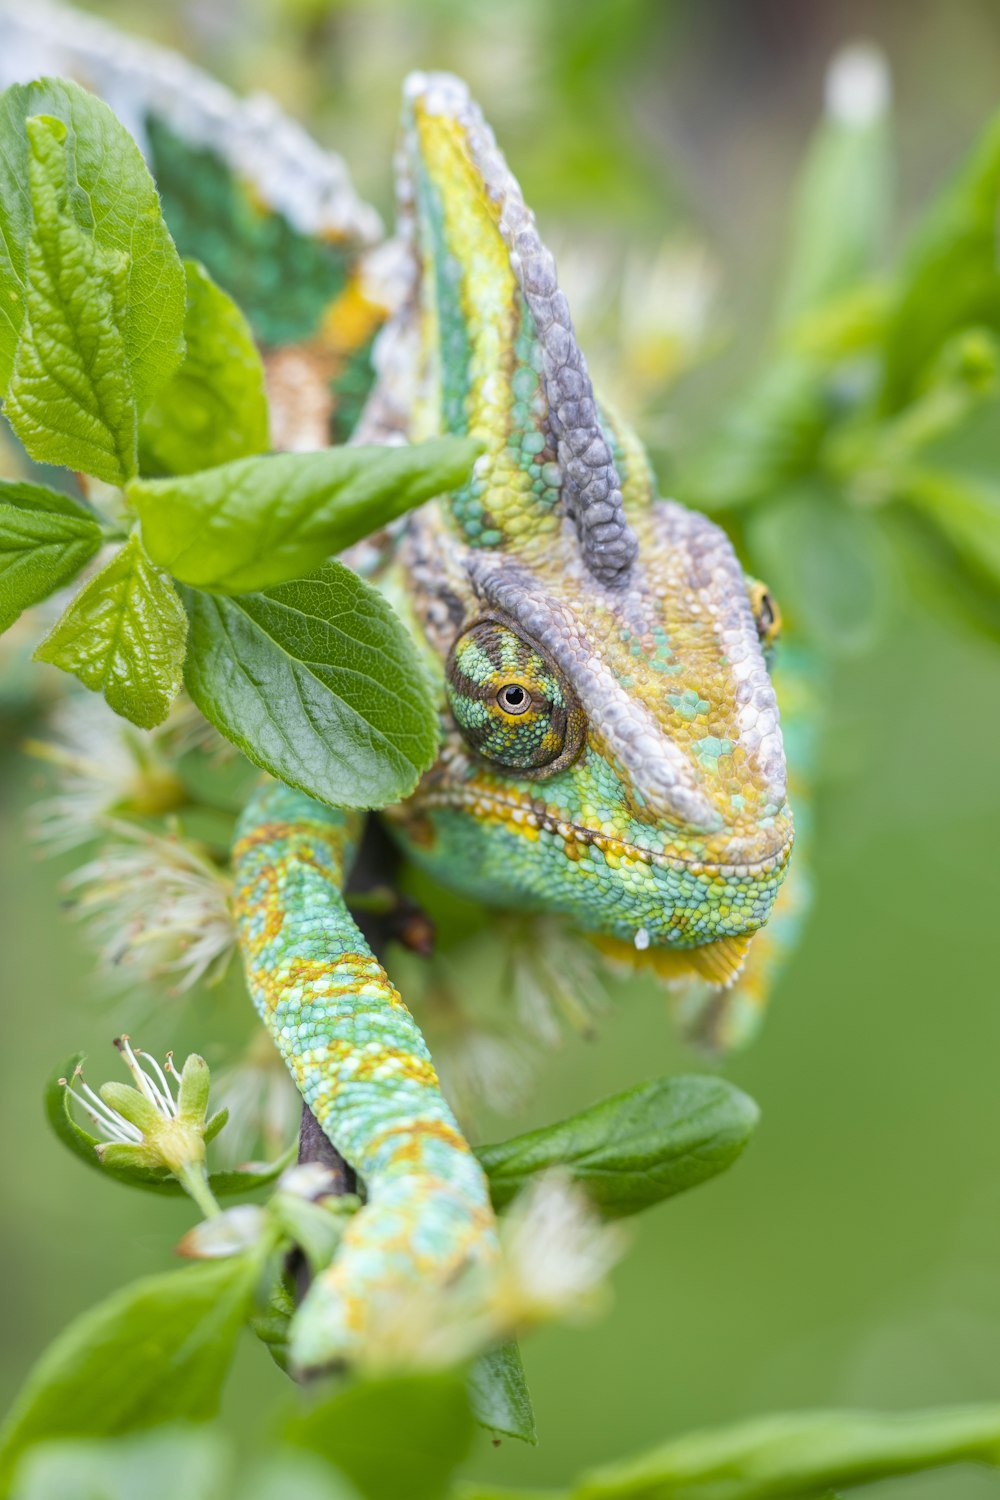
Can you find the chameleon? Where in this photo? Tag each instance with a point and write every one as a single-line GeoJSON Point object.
{"type": "Point", "coordinates": [610, 748]}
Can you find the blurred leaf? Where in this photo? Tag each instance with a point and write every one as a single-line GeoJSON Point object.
{"type": "Point", "coordinates": [950, 276]}
{"type": "Point", "coordinates": [288, 1475]}
{"type": "Point", "coordinates": [70, 397]}
{"type": "Point", "coordinates": [249, 525]}
{"type": "Point", "coordinates": [124, 635]}
{"type": "Point", "coordinates": [825, 562]}
{"type": "Point", "coordinates": [498, 1393]}
{"type": "Point", "coordinates": [476, 1491]}
{"type": "Point", "coordinates": [158, 1466]}
{"type": "Point", "coordinates": [115, 203]}
{"type": "Point", "coordinates": [214, 409]}
{"type": "Point", "coordinates": [315, 1227]}
{"type": "Point", "coordinates": [934, 574]}
{"type": "Point", "coordinates": [402, 1436]}
{"type": "Point", "coordinates": [966, 510]}
{"type": "Point", "coordinates": [634, 1149]}
{"type": "Point", "coordinates": [44, 542]}
{"type": "Point", "coordinates": [847, 325]}
{"type": "Point", "coordinates": [318, 682]}
{"type": "Point", "coordinates": [770, 437]}
{"type": "Point", "coordinates": [800, 1456]}
{"type": "Point", "coordinates": [845, 192]}
{"type": "Point", "coordinates": [271, 1321]}
{"type": "Point", "coordinates": [82, 1143]}
{"type": "Point", "coordinates": [155, 1351]}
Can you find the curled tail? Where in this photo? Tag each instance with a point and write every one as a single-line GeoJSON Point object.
{"type": "Point", "coordinates": [362, 1066]}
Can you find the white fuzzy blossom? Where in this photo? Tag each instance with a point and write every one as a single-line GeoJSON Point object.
{"type": "Point", "coordinates": [553, 978]}
{"type": "Point", "coordinates": [101, 764]}
{"type": "Point", "coordinates": [156, 907]}
{"type": "Point", "coordinates": [646, 316]}
{"type": "Point", "coordinates": [557, 1254]}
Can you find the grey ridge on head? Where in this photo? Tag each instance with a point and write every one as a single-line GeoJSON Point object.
{"type": "Point", "coordinates": [591, 488]}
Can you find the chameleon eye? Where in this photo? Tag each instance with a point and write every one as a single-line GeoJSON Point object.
{"type": "Point", "coordinates": [765, 612]}
{"type": "Point", "coordinates": [513, 706]}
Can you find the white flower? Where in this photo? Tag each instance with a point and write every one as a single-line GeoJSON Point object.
{"type": "Point", "coordinates": [644, 316]}
{"type": "Point", "coordinates": [102, 765]}
{"type": "Point", "coordinates": [557, 1254]}
{"type": "Point", "coordinates": [150, 1126]}
{"type": "Point", "coordinates": [156, 906]}
{"type": "Point", "coordinates": [552, 976]}
{"type": "Point", "coordinates": [858, 86]}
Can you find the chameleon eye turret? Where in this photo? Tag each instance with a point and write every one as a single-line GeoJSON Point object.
{"type": "Point", "coordinates": [513, 707]}
{"type": "Point", "coordinates": [501, 359]}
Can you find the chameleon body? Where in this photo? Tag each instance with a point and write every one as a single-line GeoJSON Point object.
{"type": "Point", "coordinates": [610, 742]}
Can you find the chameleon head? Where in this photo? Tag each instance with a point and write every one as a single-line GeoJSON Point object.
{"type": "Point", "coordinates": [612, 746]}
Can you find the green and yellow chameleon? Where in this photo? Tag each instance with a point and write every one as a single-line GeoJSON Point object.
{"type": "Point", "coordinates": [610, 739]}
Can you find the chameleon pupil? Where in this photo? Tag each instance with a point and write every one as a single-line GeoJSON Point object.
{"type": "Point", "coordinates": [513, 698]}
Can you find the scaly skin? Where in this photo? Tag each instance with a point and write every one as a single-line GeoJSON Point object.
{"type": "Point", "coordinates": [610, 738]}
{"type": "Point", "coordinates": [361, 1065]}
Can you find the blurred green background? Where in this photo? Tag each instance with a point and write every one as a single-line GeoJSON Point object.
{"type": "Point", "coordinates": [853, 1256]}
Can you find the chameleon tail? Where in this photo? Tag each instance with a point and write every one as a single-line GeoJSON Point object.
{"type": "Point", "coordinates": [363, 1068]}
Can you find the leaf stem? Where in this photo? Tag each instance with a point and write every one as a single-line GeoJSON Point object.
{"type": "Point", "coordinates": [193, 1178]}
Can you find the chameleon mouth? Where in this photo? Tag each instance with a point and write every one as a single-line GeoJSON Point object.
{"type": "Point", "coordinates": [487, 804]}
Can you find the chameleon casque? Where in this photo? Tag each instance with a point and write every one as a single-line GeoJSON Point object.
{"type": "Point", "coordinates": [610, 744]}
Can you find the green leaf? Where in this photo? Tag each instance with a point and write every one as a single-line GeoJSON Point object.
{"type": "Point", "coordinates": [38, 497]}
{"type": "Point", "coordinates": [81, 1143]}
{"type": "Point", "coordinates": [800, 1456]}
{"type": "Point", "coordinates": [290, 1475]}
{"type": "Point", "coordinates": [965, 510]}
{"type": "Point", "coordinates": [316, 1228]}
{"type": "Point", "coordinates": [214, 409]}
{"type": "Point", "coordinates": [845, 191]}
{"type": "Point", "coordinates": [15, 225]}
{"type": "Point", "coordinates": [251, 524]}
{"type": "Point", "coordinates": [70, 398]}
{"type": "Point", "coordinates": [124, 636]}
{"type": "Point", "coordinates": [477, 1491]}
{"type": "Point", "coordinates": [845, 326]}
{"type": "Point", "coordinates": [499, 1396]}
{"type": "Point", "coordinates": [44, 542]}
{"type": "Point", "coordinates": [156, 1465]}
{"type": "Point", "coordinates": [949, 276]}
{"type": "Point", "coordinates": [318, 682]}
{"type": "Point", "coordinates": [155, 1351]}
{"type": "Point", "coordinates": [634, 1149]}
{"type": "Point", "coordinates": [768, 438]}
{"type": "Point", "coordinates": [402, 1436]}
{"type": "Point", "coordinates": [825, 563]}
{"type": "Point", "coordinates": [112, 199]}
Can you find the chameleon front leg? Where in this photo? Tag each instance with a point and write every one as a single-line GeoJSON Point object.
{"type": "Point", "coordinates": [362, 1066]}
